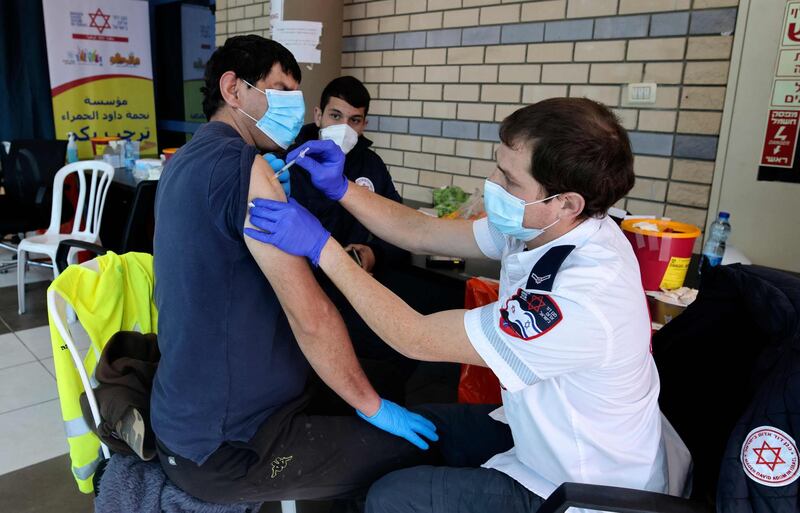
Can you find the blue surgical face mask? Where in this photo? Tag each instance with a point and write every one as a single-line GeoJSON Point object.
{"type": "Point", "coordinates": [284, 116]}
{"type": "Point", "coordinates": [506, 212]}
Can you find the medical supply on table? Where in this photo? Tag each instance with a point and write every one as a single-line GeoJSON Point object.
{"type": "Point", "coordinates": [99, 144]}
{"type": "Point", "coordinates": [668, 304]}
{"type": "Point", "coordinates": [147, 169]}
{"type": "Point", "coordinates": [663, 249]}
{"type": "Point", "coordinates": [72, 148]}
{"type": "Point", "coordinates": [113, 153]}
{"type": "Point", "coordinates": [130, 152]}
{"type": "Point", "coordinates": [168, 153]}
{"type": "Point", "coordinates": [714, 248]}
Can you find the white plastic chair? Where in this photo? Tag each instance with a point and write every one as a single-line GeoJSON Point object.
{"type": "Point", "coordinates": [101, 175]}
{"type": "Point", "coordinates": [57, 309]}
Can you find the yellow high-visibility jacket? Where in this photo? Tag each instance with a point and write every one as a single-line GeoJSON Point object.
{"type": "Point", "coordinates": [118, 298]}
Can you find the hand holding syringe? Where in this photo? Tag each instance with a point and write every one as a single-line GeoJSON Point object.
{"type": "Point", "coordinates": [291, 163]}
{"type": "Point", "coordinates": [282, 170]}
{"type": "Point", "coordinates": [324, 163]}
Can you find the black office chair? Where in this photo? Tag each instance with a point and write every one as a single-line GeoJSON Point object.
{"type": "Point", "coordinates": [29, 167]}
{"type": "Point", "coordinates": [725, 352]}
{"type": "Point", "coordinates": [139, 229]}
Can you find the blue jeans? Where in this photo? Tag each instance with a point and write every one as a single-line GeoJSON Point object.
{"type": "Point", "coordinates": [468, 437]}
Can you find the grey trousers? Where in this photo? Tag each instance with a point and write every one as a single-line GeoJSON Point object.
{"type": "Point", "coordinates": [468, 437]}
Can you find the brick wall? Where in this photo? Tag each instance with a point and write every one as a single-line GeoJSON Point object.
{"type": "Point", "coordinates": [238, 17]}
{"type": "Point", "coordinates": [444, 73]}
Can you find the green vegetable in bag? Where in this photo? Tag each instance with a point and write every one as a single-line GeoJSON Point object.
{"type": "Point", "coordinates": [447, 200]}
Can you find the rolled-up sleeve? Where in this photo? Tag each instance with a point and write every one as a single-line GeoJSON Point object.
{"type": "Point", "coordinates": [521, 356]}
{"type": "Point", "coordinates": [490, 241]}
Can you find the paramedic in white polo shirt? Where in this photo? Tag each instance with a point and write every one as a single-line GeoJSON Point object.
{"type": "Point", "coordinates": [568, 339]}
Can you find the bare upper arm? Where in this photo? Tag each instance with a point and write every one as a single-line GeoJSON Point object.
{"type": "Point", "coordinates": [290, 276]}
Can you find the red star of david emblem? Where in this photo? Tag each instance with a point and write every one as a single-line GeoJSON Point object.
{"type": "Point", "coordinates": [104, 23]}
{"type": "Point", "coordinates": [766, 448]}
{"type": "Point", "coordinates": [536, 303]}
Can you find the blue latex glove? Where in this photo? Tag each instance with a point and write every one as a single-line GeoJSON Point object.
{"type": "Point", "coordinates": [398, 421]}
{"type": "Point", "coordinates": [276, 164]}
{"type": "Point", "coordinates": [289, 227]}
{"type": "Point", "coordinates": [325, 163]}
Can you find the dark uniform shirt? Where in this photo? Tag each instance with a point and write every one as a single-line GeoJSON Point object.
{"type": "Point", "coordinates": [364, 167]}
{"type": "Point", "coordinates": [228, 356]}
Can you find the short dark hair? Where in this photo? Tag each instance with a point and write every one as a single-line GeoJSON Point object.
{"type": "Point", "coordinates": [251, 57]}
{"type": "Point", "coordinates": [349, 89]}
{"type": "Point", "coordinates": [578, 146]}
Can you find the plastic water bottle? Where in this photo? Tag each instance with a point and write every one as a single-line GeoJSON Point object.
{"type": "Point", "coordinates": [128, 159]}
{"type": "Point", "coordinates": [714, 248]}
{"type": "Point", "coordinates": [72, 148]}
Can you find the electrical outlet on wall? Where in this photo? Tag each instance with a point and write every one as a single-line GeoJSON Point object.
{"type": "Point", "coordinates": [643, 93]}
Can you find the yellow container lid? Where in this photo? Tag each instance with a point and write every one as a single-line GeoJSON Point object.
{"type": "Point", "coordinates": [671, 229]}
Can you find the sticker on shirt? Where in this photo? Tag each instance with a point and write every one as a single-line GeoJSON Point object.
{"type": "Point", "coordinates": [528, 315]}
{"type": "Point", "coordinates": [769, 457]}
{"type": "Point", "coordinates": [365, 182]}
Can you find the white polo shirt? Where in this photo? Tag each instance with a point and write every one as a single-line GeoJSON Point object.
{"type": "Point", "coordinates": [581, 387]}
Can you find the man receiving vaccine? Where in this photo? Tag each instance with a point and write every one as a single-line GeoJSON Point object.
{"type": "Point", "coordinates": [242, 324]}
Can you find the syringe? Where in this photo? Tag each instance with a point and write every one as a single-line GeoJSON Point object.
{"type": "Point", "coordinates": [291, 163]}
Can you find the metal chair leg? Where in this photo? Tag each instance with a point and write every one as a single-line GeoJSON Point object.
{"type": "Point", "coordinates": [22, 259]}
{"type": "Point", "coordinates": [7, 265]}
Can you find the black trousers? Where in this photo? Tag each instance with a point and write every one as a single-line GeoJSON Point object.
{"type": "Point", "coordinates": [468, 437]}
{"type": "Point", "coordinates": [313, 448]}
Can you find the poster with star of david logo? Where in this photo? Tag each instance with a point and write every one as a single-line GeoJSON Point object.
{"type": "Point", "coordinates": [101, 72]}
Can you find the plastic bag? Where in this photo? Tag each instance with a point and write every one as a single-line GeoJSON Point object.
{"type": "Point", "coordinates": [447, 200]}
{"type": "Point", "coordinates": [472, 208]}
{"type": "Point", "coordinates": [479, 385]}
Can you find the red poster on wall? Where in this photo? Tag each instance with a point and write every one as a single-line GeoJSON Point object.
{"type": "Point", "coordinates": [780, 142]}
{"type": "Point", "coordinates": [779, 159]}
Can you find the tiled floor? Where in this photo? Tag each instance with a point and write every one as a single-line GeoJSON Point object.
{"type": "Point", "coordinates": [30, 418]}
{"type": "Point", "coordinates": [33, 445]}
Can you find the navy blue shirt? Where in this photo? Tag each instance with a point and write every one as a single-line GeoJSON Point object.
{"type": "Point", "coordinates": [228, 356]}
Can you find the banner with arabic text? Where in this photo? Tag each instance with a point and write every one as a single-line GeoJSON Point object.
{"type": "Point", "coordinates": [101, 73]}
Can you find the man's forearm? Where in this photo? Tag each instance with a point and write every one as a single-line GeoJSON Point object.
{"type": "Point", "coordinates": [329, 351]}
{"type": "Point", "coordinates": [409, 229]}
{"type": "Point", "coordinates": [317, 326]}
{"type": "Point", "coordinates": [397, 318]}
{"type": "Point", "coordinates": [389, 220]}
{"type": "Point", "coordinates": [315, 322]}
{"type": "Point", "coordinates": [436, 337]}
